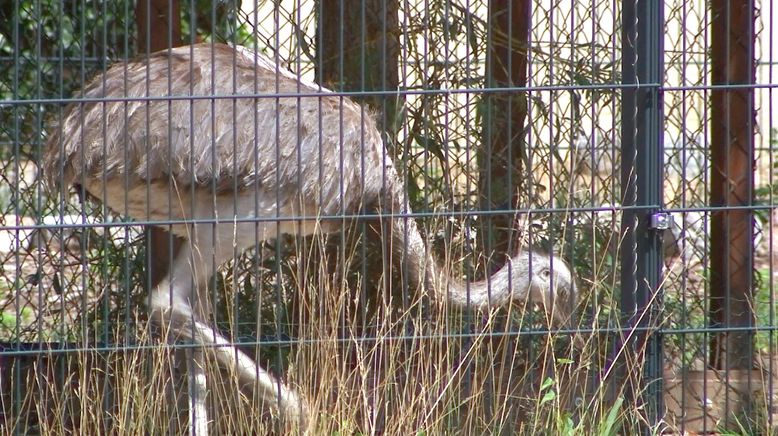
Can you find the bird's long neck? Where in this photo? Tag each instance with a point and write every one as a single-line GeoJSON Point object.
{"type": "Point", "coordinates": [496, 290]}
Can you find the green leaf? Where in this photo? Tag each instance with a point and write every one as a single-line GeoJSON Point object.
{"type": "Point", "coordinates": [548, 382]}
{"type": "Point", "coordinates": [549, 396]}
{"type": "Point", "coordinates": [8, 320]}
{"type": "Point", "coordinates": [567, 425]}
{"type": "Point", "coordinates": [430, 144]}
{"type": "Point", "coordinates": [607, 426]}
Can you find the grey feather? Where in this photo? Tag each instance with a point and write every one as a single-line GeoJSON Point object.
{"type": "Point", "coordinates": [240, 137]}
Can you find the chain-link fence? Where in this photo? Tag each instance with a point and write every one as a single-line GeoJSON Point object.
{"type": "Point", "coordinates": [514, 128]}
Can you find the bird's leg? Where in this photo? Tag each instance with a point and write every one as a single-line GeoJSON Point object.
{"type": "Point", "coordinates": [166, 248]}
{"type": "Point", "coordinates": [183, 293]}
{"type": "Point", "coordinates": [198, 383]}
{"type": "Point", "coordinates": [202, 268]}
{"type": "Point", "coordinates": [178, 293]}
{"type": "Point", "coordinates": [170, 305]}
{"type": "Point", "coordinates": [163, 246]}
{"type": "Point", "coordinates": [198, 387]}
{"type": "Point", "coordinates": [252, 376]}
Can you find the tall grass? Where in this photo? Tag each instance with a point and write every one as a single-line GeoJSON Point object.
{"type": "Point", "coordinates": [393, 362]}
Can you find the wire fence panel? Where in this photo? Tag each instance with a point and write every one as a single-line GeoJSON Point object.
{"type": "Point", "coordinates": [387, 216]}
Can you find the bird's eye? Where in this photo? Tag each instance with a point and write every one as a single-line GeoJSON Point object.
{"type": "Point", "coordinates": [545, 274]}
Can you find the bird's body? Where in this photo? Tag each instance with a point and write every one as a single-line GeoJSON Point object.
{"type": "Point", "coordinates": [261, 155]}
{"type": "Point", "coordinates": [231, 149]}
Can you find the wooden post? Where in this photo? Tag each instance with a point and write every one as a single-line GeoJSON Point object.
{"type": "Point", "coordinates": [502, 152]}
{"type": "Point", "coordinates": [358, 48]}
{"type": "Point", "coordinates": [159, 28]}
{"type": "Point", "coordinates": [159, 25]}
{"type": "Point", "coordinates": [732, 182]}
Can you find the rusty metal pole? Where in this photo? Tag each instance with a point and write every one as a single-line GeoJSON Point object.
{"type": "Point", "coordinates": [158, 25]}
{"type": "Point", "coordinates": [732, 182]}
{"type": "Point", "coordinates": [358, 47]}
{"type": "Point", "coordinates": [502, 152]}
{"type": "Point", "coordinates": [158, 28]}
{"type": "Point", "coordinates": [501, 174]}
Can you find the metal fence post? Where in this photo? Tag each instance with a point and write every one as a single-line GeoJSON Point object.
{"type": "Point", "coordinates": [641, 178]}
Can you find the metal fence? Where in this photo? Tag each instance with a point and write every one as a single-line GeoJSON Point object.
{"type": "Point", "coordinates": [633, 139]}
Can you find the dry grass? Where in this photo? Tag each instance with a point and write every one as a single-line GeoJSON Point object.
{"type": "Point", "coordinates": [389, 363]}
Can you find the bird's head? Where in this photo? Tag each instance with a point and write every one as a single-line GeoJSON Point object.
{"type": "Point", "coordinates": [547, 281]}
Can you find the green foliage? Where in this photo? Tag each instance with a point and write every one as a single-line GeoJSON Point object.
{"type": "Point", "coordinates": [550, 413]}
{"type": "Point", "coordinates": [218, 21]}
{"type": "Point", "coordinates": [765, 301]}
{"type": "Point", "coordinates": [10, 322]}
{"type": "Point", "coordinates": [609, 426]}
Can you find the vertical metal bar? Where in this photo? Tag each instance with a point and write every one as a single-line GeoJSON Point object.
{"type": "Point", "coordinates": [641, 178]}
{"type": "Point", "coordinates": [771, 345]}
{"type": "Point", "coordinates": [17, 379]}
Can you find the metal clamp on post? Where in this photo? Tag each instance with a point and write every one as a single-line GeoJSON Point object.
{"type": "Point", "coordinates": [660, 221]}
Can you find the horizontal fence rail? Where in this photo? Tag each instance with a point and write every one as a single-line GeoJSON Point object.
{"type": "Point", "coordinates": [380, 216]}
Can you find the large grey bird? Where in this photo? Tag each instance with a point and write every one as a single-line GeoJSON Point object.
{"type": "Point", "coordinates": [227, 136]}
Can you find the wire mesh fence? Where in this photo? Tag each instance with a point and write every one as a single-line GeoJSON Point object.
{"type": "Point", "coordinates": [506, 125]}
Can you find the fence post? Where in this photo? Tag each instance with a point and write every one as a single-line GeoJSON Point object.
{"type": "Point", "coordinates": [641, 181]}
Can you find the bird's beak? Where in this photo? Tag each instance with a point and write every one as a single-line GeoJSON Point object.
{"type": "Point", "coordinates": [564, 318]}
